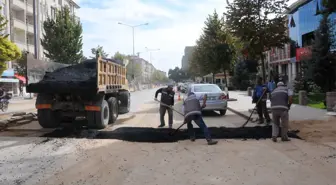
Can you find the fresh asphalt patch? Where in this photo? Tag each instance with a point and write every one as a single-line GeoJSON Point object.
{"type": "Point", "coordinates": [161, 135]}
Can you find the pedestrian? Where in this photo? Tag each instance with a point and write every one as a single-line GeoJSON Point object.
{"type": "Point", "coordinates": [281, 101]}
{"type": "Point", "coordinates": [167, 97]}
{"type": "Point", "coordinates": [260, 93]}
{"type": "Point", "coordinates": [193, 112]}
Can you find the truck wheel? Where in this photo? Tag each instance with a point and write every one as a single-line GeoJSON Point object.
{"type": "Point", "coordinates": [113, 105]}
{"type": "Point", "coordinates": [125, 99]}
{"type": "Point", "coordinates": [99, 119]}
{"type": "Point", "coordinates": [48, 118]}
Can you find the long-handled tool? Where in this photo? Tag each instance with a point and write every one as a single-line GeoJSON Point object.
{"type": "Point", "coordinates": [175, 131]}
{"type": "Point", "coordinates": [254, 109]}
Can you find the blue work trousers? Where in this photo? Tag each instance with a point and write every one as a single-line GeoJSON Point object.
{"type": "Point", "coordinates": [200, 123]}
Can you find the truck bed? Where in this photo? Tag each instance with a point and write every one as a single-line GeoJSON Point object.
{"type": "Point", "coordinates": [87, 77]}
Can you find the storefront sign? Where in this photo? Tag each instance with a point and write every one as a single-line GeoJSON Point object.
{"type": "Point", "coordinates": [303, 53]}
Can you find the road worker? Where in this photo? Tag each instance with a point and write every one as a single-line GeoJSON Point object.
{"type": "Point", "coordinates": [281, 101]}
{"type": "Point", "coordinates": [167, 97]}
{"type": "Point", "coordinates": [192, 110]}
{"type": "Point", "coordinates": [260, 93]}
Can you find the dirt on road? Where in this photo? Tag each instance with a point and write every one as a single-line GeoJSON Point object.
{"type": "Point", "coordinates": [319, 131]}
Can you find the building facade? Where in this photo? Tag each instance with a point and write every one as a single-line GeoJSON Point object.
{"type": "Point", "coordinates": [21, 22]}
{"type": "Point", "coordinates": [188, 51]}
{"type": "Point", "coordinates": [21, 13]}
{"type": "Point", "coordinates": [303, 20]}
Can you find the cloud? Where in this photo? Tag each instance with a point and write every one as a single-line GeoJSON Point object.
{"type": "Point", "coordinates": [173, 24]}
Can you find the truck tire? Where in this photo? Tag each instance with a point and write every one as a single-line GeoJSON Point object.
{"type": "Point", "coordinates": [99, 119]}
{"type": "Point", "coordinates": [48, 118]}
{"type": "Point", "coordinates": [125, 99]}
{"type": "Point", "coordinates": [113, 105]}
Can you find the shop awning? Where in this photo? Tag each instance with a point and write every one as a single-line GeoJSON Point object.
{"type": "Point", "coordinates": [8, 73]}
{"type": "Point", "coordinates": [9, 80]}
{"type": "Point", "coordinates": [21, 78]}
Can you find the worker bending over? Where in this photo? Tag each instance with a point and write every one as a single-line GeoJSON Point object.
{"type": "Point", "coordinates": [193, 112]}
{"type": "Point", "coordinates": [167, 97]}
{"type": "Point", "coordinates": [281, 100]}
{"type": "Point", "coordinates": [260, 93]}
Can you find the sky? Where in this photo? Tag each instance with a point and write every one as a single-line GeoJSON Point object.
{"type": "Point", "coordinates": [172, 25]}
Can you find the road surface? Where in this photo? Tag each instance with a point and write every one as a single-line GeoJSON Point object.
{"type": "Point", "coordinates": [83, 159]}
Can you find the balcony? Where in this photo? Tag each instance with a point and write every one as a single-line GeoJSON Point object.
{"type": "Point", "coordinates": [29, 9]}
{"type": "Point", "coordinates": [30, 27]}
{"type": "Point", "coordinates": [19, 24]}
{"type": "Point", "coordinates": [19, 5]}
{"type": "Point", "coordinates": [31, 48]}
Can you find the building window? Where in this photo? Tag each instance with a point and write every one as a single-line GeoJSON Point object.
{"type": "Point", "coordinates": [60, 2]}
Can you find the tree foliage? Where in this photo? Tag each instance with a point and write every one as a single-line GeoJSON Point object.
{"type": "Point", "coordinates": [177, 74]}
{"type": "Point", "coordinates": [260, 25]}
{"type": "Point", "coordinates": [100, 50]}
{"type": "Point", "coordinates": [330, 6]}
{"type": "Point", "coordinates": [159, 77]}
{"type": "Point", "coordinates": [20, 65]}
{"type": "Point", "coordinates": [8, 50]}
{"type": "Point", "coordinates": [3, 25]}
{"type": "Point", "coordinates": [215, 49]}
{"type": "Point", "coordinates": [322, 59]}
{"type": "Point", "coordinates": [62, 38]}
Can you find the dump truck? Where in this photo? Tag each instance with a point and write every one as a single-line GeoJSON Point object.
{"type": "Point", "coordinates": [95, 89]}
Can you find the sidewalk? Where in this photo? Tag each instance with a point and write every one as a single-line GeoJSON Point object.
{"type": "Point", "coordinates": [297, 112]}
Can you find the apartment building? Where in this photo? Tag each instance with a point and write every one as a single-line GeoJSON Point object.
{"type": "Point", "coordinates": [20, 16]}
{"type": "Point", "coordinates": [21, 13]}
{"type": "Point", "coordinates": [188, 51]}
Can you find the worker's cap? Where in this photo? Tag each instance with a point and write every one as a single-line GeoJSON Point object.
{"type": "Point", "coordinates": [280, 84]}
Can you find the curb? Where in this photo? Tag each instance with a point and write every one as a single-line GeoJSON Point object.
{"type": "Point", "coordinates": [17, 120]}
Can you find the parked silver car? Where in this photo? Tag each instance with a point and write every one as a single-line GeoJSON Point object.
{"type": "Point", "coordinates": [216, 98]}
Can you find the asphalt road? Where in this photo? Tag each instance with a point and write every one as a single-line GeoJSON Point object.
{"type": "Point", "coordinates": [102, 157]}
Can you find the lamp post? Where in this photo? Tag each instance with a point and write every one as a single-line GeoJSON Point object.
{"type": "Point", "coordinates": [133, 26]}
{"type": "Point", "coordinates": [150, 53]}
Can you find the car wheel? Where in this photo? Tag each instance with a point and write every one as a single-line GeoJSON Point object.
{"type": "Point", "coordinates": [222, 112]}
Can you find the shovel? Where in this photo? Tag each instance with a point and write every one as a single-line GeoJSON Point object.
{"type": "Point", "coordinates": [175, 131]}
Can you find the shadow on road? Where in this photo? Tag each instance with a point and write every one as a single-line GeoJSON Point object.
{"type": "Point", "coordinates": [161, 135]}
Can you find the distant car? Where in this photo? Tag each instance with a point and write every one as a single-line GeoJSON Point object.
{"type": "Point", "coordinates": [216, 98]}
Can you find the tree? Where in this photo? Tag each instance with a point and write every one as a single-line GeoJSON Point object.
{"type": "Point", "coordinates": [134, 70]}
{"type": "Point", "coordinates": [83, 58]}
{"type": "Point", "coordinates": [119, 56]}
{"type": "Point", "coordinates": [21, 64]}
{"type": "Point", "coordinates": [260, 24]}
{"type": "Point", "coordinates": [158, 76]}
{"type": "Point", "coordinates": [62, 39]}
{"type": "Point", "coordinates": [214, 50]}
{"type": "Point", "coordinates": [330, 6]}
{"type": "Point", "coordinates": [100, 50]}
{"type": "Point", "coordinates": [177, 74]}
{"type": "Point", "coordinates": [323, 60]}
{"type": "Point", "coordinates": [9, 51]}
{"type": "Point", "coordinates": [241, 78]}
{"type": "Point", "coordinates": [3, 25]}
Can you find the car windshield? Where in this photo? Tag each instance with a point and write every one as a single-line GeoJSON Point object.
{"type": "Point", "coordinates": [206, 88]}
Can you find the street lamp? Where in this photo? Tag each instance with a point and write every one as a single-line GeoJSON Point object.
{"type": "Point", "coordinates": [150, 53]}
{"type": "Point", "coordinates": [133, 26]}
